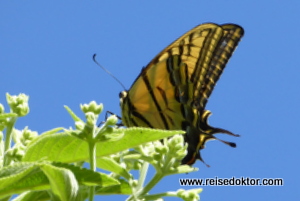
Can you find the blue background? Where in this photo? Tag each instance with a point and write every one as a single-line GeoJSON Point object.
{"type": "Point", "coordinates": [46, 52]}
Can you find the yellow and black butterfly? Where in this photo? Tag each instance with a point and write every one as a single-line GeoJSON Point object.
{"type": "Point", "coordinates": [172, 90]}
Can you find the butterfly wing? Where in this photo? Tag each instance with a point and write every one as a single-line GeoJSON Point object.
{"type": "Point", "coordinates": [228, 42]}
{"type": "Point", "coordinates": [172, 90]}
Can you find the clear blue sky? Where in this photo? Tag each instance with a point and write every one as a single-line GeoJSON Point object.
{"type": "Point", "coordinates": [46, 52]}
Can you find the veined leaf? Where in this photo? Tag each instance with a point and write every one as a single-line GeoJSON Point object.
{"type": "Point", "coordinates": [62, 147]}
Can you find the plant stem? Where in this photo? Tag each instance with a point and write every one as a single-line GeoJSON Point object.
{"type": "Point", "coordinates": [157, 177]}
{"type": "Point", "coordinates": [92, 154]}
{"type": "Point", "coordinates": [160, 195]}
{"type": "Point", "coordinates": [142, 177]}
{"type": "Point", "coordinates": [143, 174]}
{"type": "Point", "coordinates": [8, 136]}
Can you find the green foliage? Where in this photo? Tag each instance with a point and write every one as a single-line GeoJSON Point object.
{"type": "Point", "coordinates": [49, 166]}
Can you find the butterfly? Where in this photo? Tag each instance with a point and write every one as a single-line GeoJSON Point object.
{"type": "Point", "coordinates": [172, 90]}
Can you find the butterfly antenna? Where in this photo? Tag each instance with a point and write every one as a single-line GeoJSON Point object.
{"type": "Point", "coordinates": [94, 59]}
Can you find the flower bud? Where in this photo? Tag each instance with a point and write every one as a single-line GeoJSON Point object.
{"type": "Point", "coordinates": [79, 125]}
{"type": "Point", "coordinates": [18, 104]}
{"type": "Point", "coordinates": [112, 120]}
{"type": "Point", "coordinates": [91, 118]}
{"type": "Point", "coordinates": [92, 107]}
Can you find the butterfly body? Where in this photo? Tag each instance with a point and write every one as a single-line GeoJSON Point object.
{"type": "Point", "coordinates": [172, 90]}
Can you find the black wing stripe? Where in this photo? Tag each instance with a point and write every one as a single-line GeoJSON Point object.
{"type": "Point", "coordinates": [159, 110]}
{"type": "Point", "coordinates": [131, 120]}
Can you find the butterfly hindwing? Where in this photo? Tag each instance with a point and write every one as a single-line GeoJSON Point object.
{"type": "Point", "coordinates": [223, 51]}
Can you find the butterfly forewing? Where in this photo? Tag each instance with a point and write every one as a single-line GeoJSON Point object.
{"type": "Point", "coordinates": [172, 90]}
{"type": "Point", "coordinates": [152, 98]}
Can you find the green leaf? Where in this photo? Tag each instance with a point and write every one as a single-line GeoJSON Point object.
{"type": "Point", "coordinates": [52, 131]}
{"type": "Point", "coordinates": [122, 188]}
{"type": "Point", "coordinates": [73, 115]}
{"type": "Point", "coordinates": [38, 176]}
{"type": "Point", "coordinates": [111, 165]}
{"type": "Point", "coordinates": [7, 198]}
{"type": "Point", "coordinates": [88, 177]}
{"type": "Point", "coordinates": [33, 195]}
{"type": "Point", "coordinates": [65, 148]}
{"type": "Point", "coordinates": [21, 177]}
{"type": "Point", "coordinates": [62, 181]}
